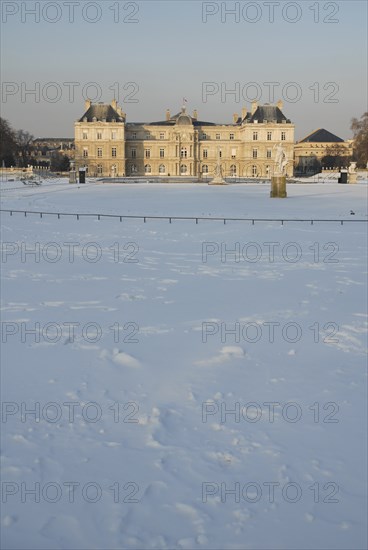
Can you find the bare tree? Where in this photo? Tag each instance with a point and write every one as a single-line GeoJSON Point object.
{"type": "Point", "coordinates": [360, 147]}
{"type": "Point", "coordinates": [8, 145]}
{"type": "Point", "coordinates": [24, 141]}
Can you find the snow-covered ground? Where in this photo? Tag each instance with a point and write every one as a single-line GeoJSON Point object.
{"type": "Point", "coordinates": [195, 386]}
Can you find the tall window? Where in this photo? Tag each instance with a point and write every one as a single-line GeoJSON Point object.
{"type": "Point", "coordinates": [85, 135]}
{"type": "Point", "coordinates": [99, 169]}
{"type": "Point", "coordinates": [148, 135]}
{"type": "Point", "coordinates": [183, 153]}
{"type": "Point", "coordinates": [113, 152]}
{"type": "Point", "coordinates": [133, 169]}
{"type": "Point", "coordinates": [283, 136]}
{"type": "Point", "coordinates": [134, 153]}
{"type": "Point", "coordinates": [233, 170]}
{"type": "Point", "coordinates": [204, 136]}
{"type": "Point", "coordinates": [147, 153]}
{"type": "Point", "coordinates": [162, 169]}
{"type": "Point", "coordinates": [162, 135]}
{"type": "Point", "coordinates": [99, 134]}
{"type": "Point", "coordinates": [218, 136]}
{"type": "Point", "coordinates": [255, 153]}
{"type": "Point", "coordinates": [99, 152]}
{"type": "Point", "coordinates": [113, 135]}
{"type": "Point", "coordinates": [147, 169]}
{"type": "Point", "coordinates": [205, 153]}
{"type": "Point", "coordinates": [205, 169]}
{"type": "Point", "coordinates": [232, 136]}
{"type": "Point", "coordinates": [269, 136]}
{"type": "Point", "coordinates": [255, 136]}
{"type": "Point", "coordinates": [269, 153]}
{"type": "Point", "coordinates": [162, 153]}
{"type": "Point", "coordinates": [85, 152]}
{"type": "Point", "coordinates": [134, 135]}
{"type": "Point", "coordinates": [254, 170]}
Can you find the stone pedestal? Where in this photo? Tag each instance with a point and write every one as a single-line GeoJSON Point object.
{"type": "Point", "coordinates": [72, 176]}
{"type": "Point", "coordinates": [218, 180]}
{"type": "Point", "coordinates": [278, 187]}
{"type": "Point", "coordinates": [352, 178]}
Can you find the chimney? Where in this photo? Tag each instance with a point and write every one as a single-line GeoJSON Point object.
{"type": "Point", "coordinates": [280, 104]}
{"type": "Point", "coordinates": [254, 107]}
{"type": "Point", "coordinates": [195, 114]}
{"type": "Point", "coordinates": [168, 116]}
{"type": "Point", "coordinates": [244, 112]}
{"type": "Point", "coordinates": [87, 104]}
{"type": "Point", "coordinates": [120, 112]}
{"type": "Point", "coordinates": [114, 104]}
{"type": "Point", "coordinates": [235, 118]}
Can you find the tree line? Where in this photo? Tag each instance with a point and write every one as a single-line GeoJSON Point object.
{"type": "Point", "coordinates": [17, 149]}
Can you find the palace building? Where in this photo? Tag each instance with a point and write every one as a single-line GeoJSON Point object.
{"type": "Point", "coordinates": [181, 145]}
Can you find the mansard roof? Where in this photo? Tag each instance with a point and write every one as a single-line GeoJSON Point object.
{"type": "Point", "coordinates": [321, 136]}
{"type": "Point", "coordinates": [100, 112]}
{"type": "Point", "coordinates": [269, 113]}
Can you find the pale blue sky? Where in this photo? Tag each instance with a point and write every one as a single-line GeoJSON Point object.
{"type": "Point", "coordinates": [170, 52]}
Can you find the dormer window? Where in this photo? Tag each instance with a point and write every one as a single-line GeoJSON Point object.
{"type": "Point", "coordinates": [94, 119]}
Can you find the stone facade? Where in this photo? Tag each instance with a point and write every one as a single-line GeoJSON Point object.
{"type": "Point", "coordinates": [181, 145]}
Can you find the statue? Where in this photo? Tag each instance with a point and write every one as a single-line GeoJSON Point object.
{"type": "Point", "coordinates": [218, 178]}
{"type": "Point", "coordinates": [352, 168]}
{"type": "Point", "coordinates": [280, 160]}
{"type": "Point", "coordinates": [352, 173]}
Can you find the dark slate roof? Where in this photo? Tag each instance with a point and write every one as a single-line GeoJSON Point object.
{"type": "Point", "coordinates": [174, 119]}
{"type": "Point", "coordinates": [101, 111]}
{"type": "Point", "coordinates": [271, 113]}
{"type": "Point", "coordinates": [321, 135]}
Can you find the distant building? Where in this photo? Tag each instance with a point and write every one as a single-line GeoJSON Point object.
{"type": "Point", "coordinates": [318, 145]}
{"type": "Point", "coordinates": [43, 149]}
{"type": "Point", "coordinates": [182, 145]}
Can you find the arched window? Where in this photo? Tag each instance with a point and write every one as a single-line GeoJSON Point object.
{"type": "Point", "coordinates": [254, 170]}
{"type": "Point", "coordinates": [183, 169]}
{"type": "Point", "coordinates": [99, 169]}
{"type": "Point", "coordinates": [162, 169]}
{"type": "Point", "coordinates": [133, 169]}
{"type": "Point", "coordinates": [233, 170]}
{"type": "Point", "coordinates": [205, 169]}
{"type": "Point", "coordinates": [147, 169]}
